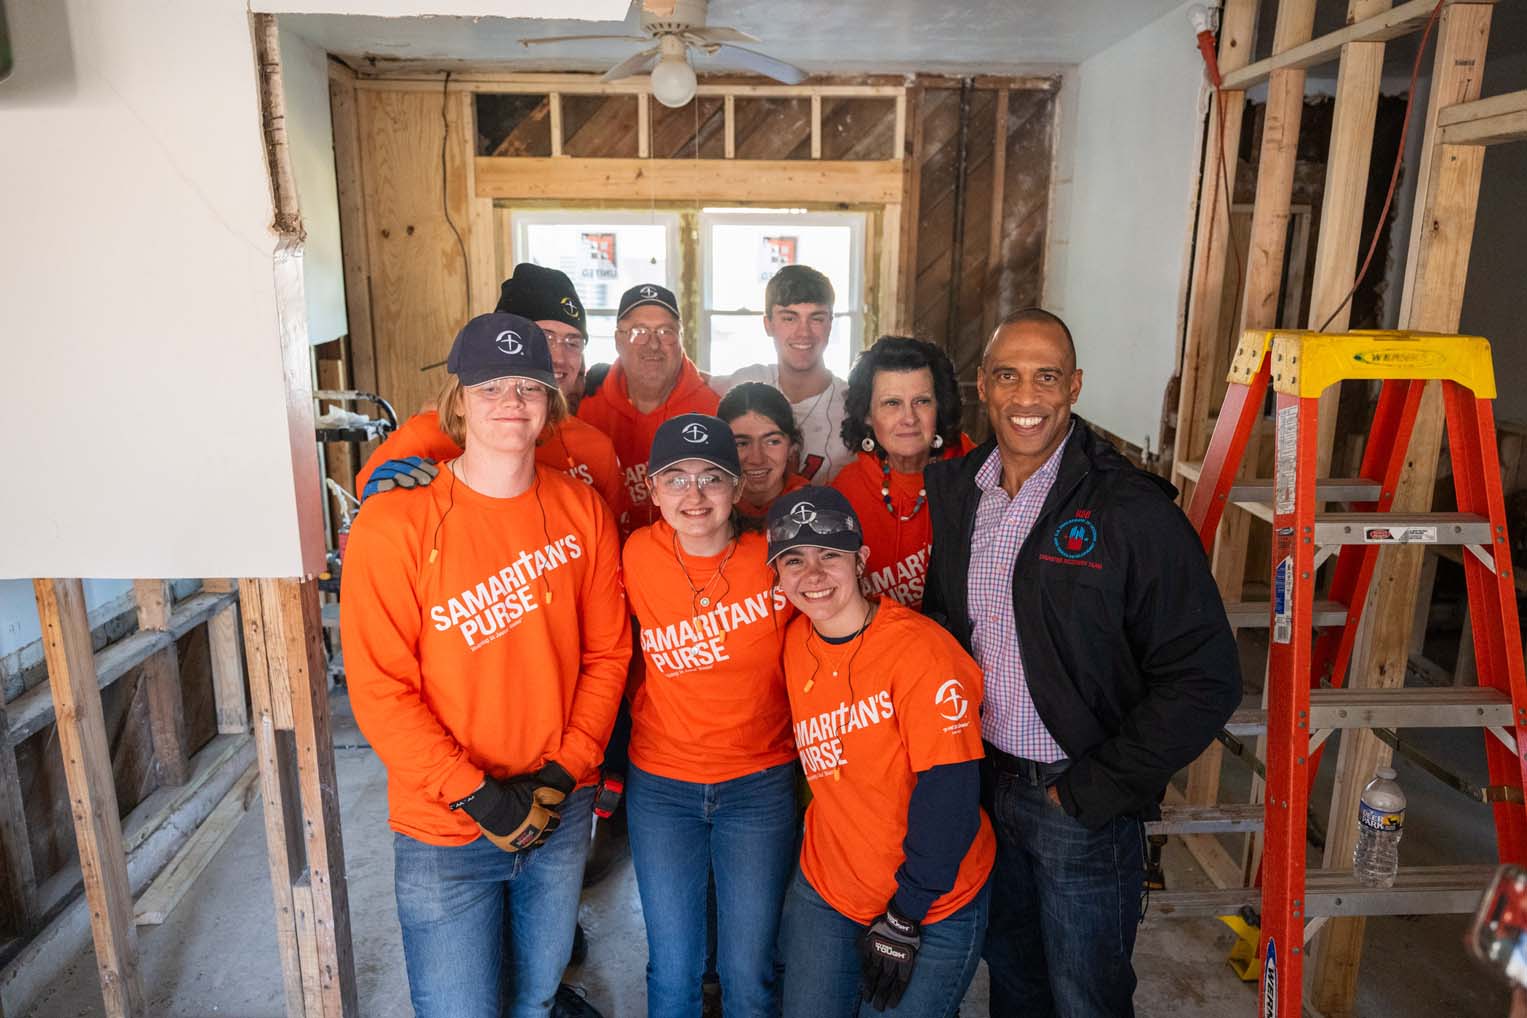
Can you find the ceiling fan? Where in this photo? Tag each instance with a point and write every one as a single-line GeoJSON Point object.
{"type": "Point", "coordinates": [677, 26]}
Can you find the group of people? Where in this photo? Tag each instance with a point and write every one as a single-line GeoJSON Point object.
{"type": "Point", "coordinates": [979, 664]}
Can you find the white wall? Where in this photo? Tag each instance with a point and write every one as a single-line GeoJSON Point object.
{"type": "Point", "coordinates": [1133, 127]}
{"type": "Point", "coordinates": [310, 132]}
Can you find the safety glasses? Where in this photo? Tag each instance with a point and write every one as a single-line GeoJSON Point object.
{"type": "Point", "coordinates": [822, 522]}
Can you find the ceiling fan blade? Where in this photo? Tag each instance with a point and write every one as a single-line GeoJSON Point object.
{"type": "Point", "coordinates": [636, 63]}
{"type": "Point", "coordinates": [752, 60]}
{"type": "Point", "coordinates": [581, 38]}
{"type": "Point", "coordinates": [720, 33]}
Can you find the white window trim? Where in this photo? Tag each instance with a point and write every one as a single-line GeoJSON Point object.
{"type": "Point", "coordinates": [521, 219]}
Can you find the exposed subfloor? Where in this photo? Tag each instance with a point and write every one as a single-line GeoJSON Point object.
{"type": "Point", "coordinates": [217, 953]}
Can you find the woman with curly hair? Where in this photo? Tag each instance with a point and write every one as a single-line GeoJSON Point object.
{"type": "Point", "coordinates": [902, 411]}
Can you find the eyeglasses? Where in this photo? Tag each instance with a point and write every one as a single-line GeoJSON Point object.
{"type": "Point", "coordinates": [676, 482]}
{"type": "Point", "coordinates": [572, 344]}
{"type": "Point", "coordinates": [496, 389]}
{"type": "Point", "coordinates": [822, 522]}
{"type": "Point", "coordinates": [664, 334]}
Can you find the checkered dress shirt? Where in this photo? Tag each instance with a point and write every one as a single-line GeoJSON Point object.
{"type": "Point", "coordinates": [1008, 719]}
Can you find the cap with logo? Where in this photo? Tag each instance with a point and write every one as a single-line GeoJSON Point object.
{"type": "Point", "coordinates": [541, 294]}
{"type": "Point", "coordinates": [648, 293]}
{"type": "Point", "coordinates": [694, 437]}
{"type": "Point", "coordinates": [500, 346]}
{"type": "Point", "coordinates": [812, 517]}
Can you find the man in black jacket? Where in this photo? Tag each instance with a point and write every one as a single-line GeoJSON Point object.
{"type": "Point", "coordinates": [1082, 591]}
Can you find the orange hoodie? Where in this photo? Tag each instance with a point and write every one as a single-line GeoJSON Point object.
{"type": "Point", "coordinates": [576, 448]}
{"type": "Point", "coordinates": [711, 705]}
{"type": "Point", "coordinates": [898, 565]}
{"type": "Point", "coordinates": [508, 650]}
{"type": "Point", "coordinates": [611, 411]}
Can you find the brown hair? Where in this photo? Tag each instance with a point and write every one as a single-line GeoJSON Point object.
{"type": "Point", "coordinates": [452, 410]}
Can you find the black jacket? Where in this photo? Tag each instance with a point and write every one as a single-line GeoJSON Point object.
{"type": "Point", "coordinates": [1126, 648]}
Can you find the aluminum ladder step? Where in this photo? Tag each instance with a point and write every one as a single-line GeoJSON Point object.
{"type": "Point", "coordinates": [1327, 489]}
{"type": "Point", "coordinates": [1425, 707]}
{"type": "Point", "coordinates": [1417, 890]}
{"type": "Point", "coordinates": [1258, 614]}
{"type": "Point", "coordinates": [1221, 818]}
{"type": "Point", "coordinates": [1401, 528]}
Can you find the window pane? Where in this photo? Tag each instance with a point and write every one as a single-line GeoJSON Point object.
{"type": "Point", "coordinates": [739, 340]}
{"type": "Point", "coordinates": [743, 256]}
{"type": "Point", "coordinates": [602, 259]}
{"type": "Point", "coordinates": [601, 346]}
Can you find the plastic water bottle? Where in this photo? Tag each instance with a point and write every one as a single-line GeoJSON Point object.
{"type": "Point", "coordinates": [1380, 823]}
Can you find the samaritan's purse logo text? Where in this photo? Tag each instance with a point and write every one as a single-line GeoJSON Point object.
{"type": "Point", "coordinates": [497, 604]}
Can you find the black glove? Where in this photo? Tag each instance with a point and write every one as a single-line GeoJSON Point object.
{"type": "Point", "coordinates": [553, 784]}
{"type": "Point", "coordinates": [888, 950]}
{"type": "Point", "coordinates": [511, 813]}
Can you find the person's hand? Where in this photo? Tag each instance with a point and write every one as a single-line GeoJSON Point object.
{"type": "Point", "coordinates": [409, 472]}
{"type": "Point", "coordinates": [888, 951]}
{"type": "Point", "coordinates": [509, 812]}
{"type": "Point", "coordinates": [553, 784]}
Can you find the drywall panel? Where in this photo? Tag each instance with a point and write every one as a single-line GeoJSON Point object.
{"type": "Point", "coordinates": [1134, 130]}
{"type": "Point", "coordinates": [310, 133]}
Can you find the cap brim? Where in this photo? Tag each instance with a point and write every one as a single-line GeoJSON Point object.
{"type": "Point", "coordinates": [846, 541]}
{"type": "Point", "coordinates": [653, 301]}
{"type": "Point", "coordinates": [653, 467]}
{"type": "Point", "coordinates": [482, 375]}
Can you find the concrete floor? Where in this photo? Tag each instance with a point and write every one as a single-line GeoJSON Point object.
{"type": "Point", "coordinates": [217, 955]}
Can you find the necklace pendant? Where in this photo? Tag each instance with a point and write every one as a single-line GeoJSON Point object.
{"type": "Point", "coordinates": [704, 602]}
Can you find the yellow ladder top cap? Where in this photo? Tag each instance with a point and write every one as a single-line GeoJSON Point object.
{"type": "Point", "coordinates": [1304, 363]}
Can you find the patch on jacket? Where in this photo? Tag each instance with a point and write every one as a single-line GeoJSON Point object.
{"type": "Point", "coordinates": [1075, 540]}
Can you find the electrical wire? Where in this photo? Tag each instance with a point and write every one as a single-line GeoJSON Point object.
{"type": "Point", "coordinates": [1399, 160]}
{"type": "Point", "coordinates": [445, 202]}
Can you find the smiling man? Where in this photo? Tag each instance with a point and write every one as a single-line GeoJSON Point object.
{"type": "Point", "coordinates": [1081, 590]}
{"type": "Point", "coordinates": [798, 317]}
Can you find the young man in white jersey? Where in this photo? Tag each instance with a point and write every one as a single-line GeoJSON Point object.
{"type": "Point", "coordinates": [798, 317]}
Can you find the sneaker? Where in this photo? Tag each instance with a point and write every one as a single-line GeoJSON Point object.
{"type": "Point", "coordinates": [572, 1002]}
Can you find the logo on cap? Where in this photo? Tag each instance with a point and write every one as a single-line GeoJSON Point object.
{"type": "Point", "coordinates": [570, 307]}
{"type": "Point", "coordinates": [952, 696]}
{"type": "Point", "coordinates": [509, 342]}
{"type": "Point", "coordinates": [695, 433]}
{"type": "Point", "coordinates": [648, 291]}
{"type": "Point", "coordinates": [803, 513]}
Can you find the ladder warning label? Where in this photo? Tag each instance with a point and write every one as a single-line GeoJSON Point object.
{"type": "Point", "coordinates": [1287, 442]}
{"type": "Point", "coordinates": [1399, 535]}
{"type": "Point", "coordinates": [1283, 627]}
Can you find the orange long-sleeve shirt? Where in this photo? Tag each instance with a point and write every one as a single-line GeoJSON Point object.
{"type": "Point", "coordinates": [612, 412]}
{"type": "Point", "coordinates": [508, 650]}
{"type": "Point", "coordinates": [711, 703]}
{"type": "Point", "coordinates": [573, 447]}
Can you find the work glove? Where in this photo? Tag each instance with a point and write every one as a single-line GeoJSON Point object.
{"type": "Point", "coordinates": [553, 784]}
{"type": "Point", "coordinates": [510, 812]}
{"type": "Point", "coordinates": [888, 951]}
{"type": "Point", "coordinates": [409, 472]}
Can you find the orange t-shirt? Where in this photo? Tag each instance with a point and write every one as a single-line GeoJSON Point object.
{"type": "Point", "coordinates": [575, 448]}
{"type": "Point", "coordinates": [908, 699]}
{"type": "Point", "coordinates": [611, 411]}
{"type": "Point", "coordinates": [898, 564]}
{"type": "Point", "coordinates": [711, 705]}
{"type": "Point", "coordinates": [507, 651]}
{"type": "Point", "coordinates": [793, 482]}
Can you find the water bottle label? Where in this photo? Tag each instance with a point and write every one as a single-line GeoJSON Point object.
{"type": "Point", "coordinates": [1380, 820]}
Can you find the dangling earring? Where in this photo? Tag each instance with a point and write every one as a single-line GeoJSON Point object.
{"type": "Point", "coordinates": [868, 445]}
{"type": "Point", "coordinates": [938, 441]}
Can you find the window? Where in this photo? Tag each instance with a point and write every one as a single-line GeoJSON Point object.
{"type": "Point", "coordinates": [604, 254]}
{"type": "Point", "coordinates": [742, 248]}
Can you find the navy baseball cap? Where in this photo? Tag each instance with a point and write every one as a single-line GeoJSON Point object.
{"type": "Point", "coordinates": [812, 517]}
{"type": "Point", "coordinates": [694, 437]}
{"type": "Point", "coordinates": [648, 293]}
{"type": "Point", "coordinates": [500, 346]}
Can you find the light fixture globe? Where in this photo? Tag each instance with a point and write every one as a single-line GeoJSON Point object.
{"type": "Point", "coordinates": [673, 80]}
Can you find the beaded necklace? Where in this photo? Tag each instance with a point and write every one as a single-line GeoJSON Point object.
{"type": "Point", "coordinates": [885, 493]}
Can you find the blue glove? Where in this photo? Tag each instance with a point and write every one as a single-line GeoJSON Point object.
{"type": "Point", "coordinates": [409, 472]}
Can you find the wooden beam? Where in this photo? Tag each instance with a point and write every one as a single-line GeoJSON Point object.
{"type": "Point", "coordinates": [422, 76]}
{"type": "Point", "coordinates": [161, 674]}
{"type": "Point", "coordinates": [1433, 301]}
{"type": "Point", "coordinates": [1341, 212]}
{"type": "Point", "coordinates": [351, 191]}
{"type": "Point", "coordinates": [156, 903]}
{"type": "Point", "coordinates": [1499, 118]}
{"type": "Point", "coordinates": [228, 690]}
{"type": "Point", "coordinates": [729, 124]}
{"type": "Point", "coordinates": [1391, 24]}
{"type": "Point", "coordinates": [816, 126]}
{"type": "Point", "coordinates": [92, 791]}
{"type": "Point", "coordinates": [18, 876]}
{"type": "Point", "coordinates": [870, 182]}
{"type": "Point", "coordinates": [643, 125]}
{"type": "Point", "coordinates": [479, 224]}
{"type": "Point", "coordinates": [289, 691]}
{"type": "Point", "coordinates": [998, 189]}
{"type": "Point", "coordinates": [555, 102]}
{"type": "Point", "coordinates": [911, 156]}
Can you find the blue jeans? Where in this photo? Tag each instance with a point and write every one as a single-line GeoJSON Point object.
{"type": "Point", "coordinates": [822, 968]}
{"type": "Point", "coordinates": [452, 905]}
{"type": "Point", "coordinates": [744, 832]}
{"type": "Point", "coordinates": [1064, 909]}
